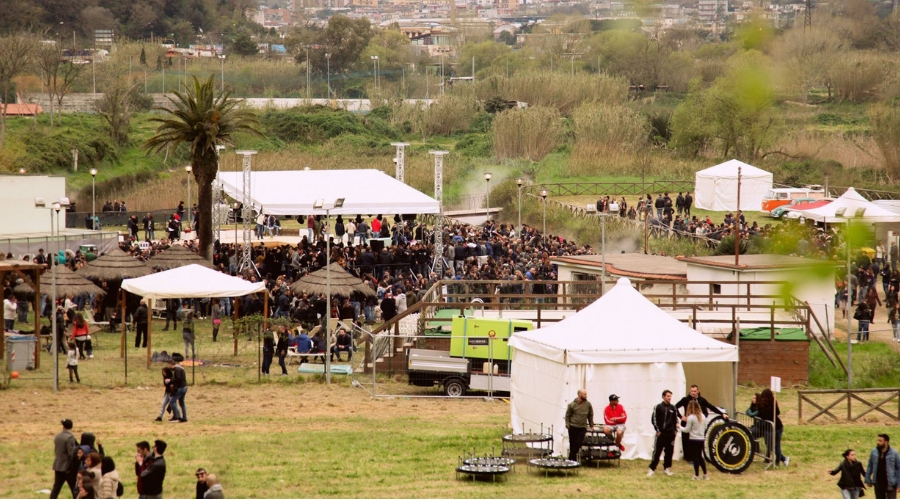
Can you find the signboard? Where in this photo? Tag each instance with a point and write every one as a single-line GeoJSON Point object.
{"type": "Point", "coordinates": [729, 446]}
{"type": "Point", "coordinates": [103, 37]}
{"type": "Point", "coordinates": [775, 384]}
{"type": "Point", "coordinates": [478, 341]}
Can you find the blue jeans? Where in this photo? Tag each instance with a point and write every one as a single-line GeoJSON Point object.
{"type": "Point", "coordinates": [863, 333]}
{"type": "Point", "coordinates": [266, 362]}
{"type": "Point", "coordinates": [9, 323]}
{"type": "Point", "coordinates": [179, 399]}
{"type": "Point", "coordinates": [165, 401]}
{"type": "Point", "coordinates": [850, 492]}
{"type": "Point", "coordinates": [260, 231]}
{"type": "Point", "coordinates": [896, 326]}
{"type": "Point", "coordinates": [370, 313]}
{"type": "Point", "coordinates": [779, 457]}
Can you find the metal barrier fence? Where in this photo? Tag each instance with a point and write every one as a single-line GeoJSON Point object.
{"type": "Point", "coordinates": [763, 433]}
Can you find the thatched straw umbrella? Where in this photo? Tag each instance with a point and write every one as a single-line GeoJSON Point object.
{"type": "Point", "coordinates": [177, 256]}
{"type": "Point", "coordinates": [67, 283]}
{"type": "Point", "coordinates": [342, 283]}
{"type": "Point", "coordinates": [114, 266]}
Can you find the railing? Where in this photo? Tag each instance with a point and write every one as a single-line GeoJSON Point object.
{"type": "Point", "coordinates": [610, 188]}
{"type": "Point", "coordinates": [78, 219]}
{"type": "Point", "coordinates": [871, 194]}
{"type": "Point", "coordinates": [760, 429]}
{"type": "Point", "coordinates": [849, 395]}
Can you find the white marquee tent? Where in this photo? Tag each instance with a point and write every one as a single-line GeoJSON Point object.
{"type": "Point", "coordinates": [294, 192]}
{"type": "Point", "coordinates": [190, 281]}
{"type": "Point", "coordinates": [716, 187]}
{"type": "Point", "coordinates": [852, 205]}
{"type": "Point", "coordinates": [621, 344]}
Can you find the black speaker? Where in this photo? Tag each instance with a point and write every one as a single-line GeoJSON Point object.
{"type": "Point", "coordinates": [377, 245]}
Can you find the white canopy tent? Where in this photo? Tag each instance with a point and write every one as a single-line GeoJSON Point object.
{"type": "Point", "coordinates": [294, 192]}
{"type": "Point", "coordinates": [716, 187]}
{"type": "Point", "coordinates": [851, 205]}
{"type": "Point", "coordinates": [190, 281]}
{"type": "Point", "coordinates": [621, 344]}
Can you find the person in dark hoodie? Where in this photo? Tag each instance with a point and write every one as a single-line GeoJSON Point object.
{"type": "Point", "coordinates": [89, 444]}
{"type": "Point", "coordinates": [152, 477]}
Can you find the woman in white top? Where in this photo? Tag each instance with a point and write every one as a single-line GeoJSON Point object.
{"type": "Point", "coordinates": [694, 425]}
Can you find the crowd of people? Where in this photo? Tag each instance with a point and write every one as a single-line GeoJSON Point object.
{"type": "Point", "coordinates": [90, 473]}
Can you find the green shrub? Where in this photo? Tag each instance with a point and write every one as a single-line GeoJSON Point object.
{"type": "Point", "coordinates": [317, 124]}
{"type": "Point", "coordinates": [50, 149]}
{"type": "Point", "coordinates": [475, 145]}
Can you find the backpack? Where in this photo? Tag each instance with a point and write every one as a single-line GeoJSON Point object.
{"type": "Point", "coordinates": [120, 490]}
{"type": "Point", "coordinates": [339, 228]}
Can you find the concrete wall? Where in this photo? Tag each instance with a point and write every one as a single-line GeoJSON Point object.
{"type": "Point", "coordinates": [84, 103]}
{"type": "Point", "coordinates": [17, 194]}
{"type": "Point", "coordinates": [815, 288]}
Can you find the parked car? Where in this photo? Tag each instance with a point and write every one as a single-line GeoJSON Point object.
{"type": "Point", "coordinates": [779, 211]}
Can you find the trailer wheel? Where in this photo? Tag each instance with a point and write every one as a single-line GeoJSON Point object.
{"type": "Point", "coordinates": [454, 387]}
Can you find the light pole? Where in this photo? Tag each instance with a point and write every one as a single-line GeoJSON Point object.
{"type": "Point", "coordinates": [320, 205]}
{"type": "Point", "coordinates": [328, 74]}
{"type": "Point", "coordinates": [54, 349]}
{"type": "Point", "coordinates": [187, 170]}
{"type": "Point", "coordinates": [222, 60]}
{"type": "Point", "coordinates": [93, 198]}
{"type": "Point", "coordinates": [519, 183]}
{"type": "Point", "coordinates": [307, 73]}
{"type": "Point", "coordinates": [375, 68]}
{"type": "Point", "coordinates": [544, 198]}
{"type": "Point", "coordinates": [487, 179]}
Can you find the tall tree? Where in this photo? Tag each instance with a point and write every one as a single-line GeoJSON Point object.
{"type": "Point", "coordinates": [202, 118]}
{"type": "Point", "coordinates": [16, 52]}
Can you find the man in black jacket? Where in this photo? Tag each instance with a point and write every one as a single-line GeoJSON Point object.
{"type": "Point", "coordinates": [664, 420]}
{"type": "Point", "coordinates": [153, 476]}
{"type": "Point", "coordinates": [705, 406]}
{"type": "Point", "coordinates": [141, 317]}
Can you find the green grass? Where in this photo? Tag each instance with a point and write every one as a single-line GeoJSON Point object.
{"type": "Point", "coordinates": [875, 364]}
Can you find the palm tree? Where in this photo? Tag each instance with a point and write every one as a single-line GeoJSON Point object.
{"type": "Point", "coordinates": [203, 120]}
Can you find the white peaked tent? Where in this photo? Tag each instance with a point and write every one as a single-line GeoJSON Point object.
{"type": "Point", "coordinates": [851, 205]}
{"type": "Point", "coordinates": [621, 344]}
{"type": "Point", "coordinates": [294, 192]}
{"type": "Point", "coordinates": [192, 280]}
{"type": "Point", "coordinates": [716, 187]}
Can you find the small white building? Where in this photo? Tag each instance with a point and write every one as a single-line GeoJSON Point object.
{"type": "Point", "coordinates": [808, 280]}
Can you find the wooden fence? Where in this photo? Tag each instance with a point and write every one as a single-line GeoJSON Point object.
{"type": "Point", "coordinates": [849, 396]}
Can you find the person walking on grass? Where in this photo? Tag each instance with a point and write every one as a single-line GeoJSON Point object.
{"type": "Point", "coordinates": [694, 426]}
{"type": "Point", "coordinates": [851, 470]}
{"type": "Point", "coordinates": [187, 334]}
{"type": "Point", "coordinates": [72, 362]}
{"type": "Point", "coordinates": [168, 375]}
{"type": "Point", "coordinates": [664, 420]}
{"type": "Point", "coordinates": [65, 463]}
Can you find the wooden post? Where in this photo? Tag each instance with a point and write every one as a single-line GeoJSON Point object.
{"type": "Point", "coordinates": [37, 318]}
{"type": "Point", "coordinates": [150, 331]}
{"type": "Point", "coordinates": [237, 303]}
{"type": "Point", "coordinates": [123, 339]}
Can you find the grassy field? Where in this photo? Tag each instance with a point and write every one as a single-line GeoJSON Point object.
{"type": "Point", "coordinates": [296, 437]}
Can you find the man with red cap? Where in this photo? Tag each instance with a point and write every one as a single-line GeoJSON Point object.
{"type": "Point", "coordinates": [614, 418]}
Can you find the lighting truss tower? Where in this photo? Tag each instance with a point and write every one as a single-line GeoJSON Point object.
{"type": "Point", "coordinates": [807, 15]}
{"type": "Point", "coordinates": [247, 213]}
{"type": "Point", "coordinates": [438, 264]}
{"type": "Point", "coordinates": [400, 160]}
{"type": "Point", "coordinates": [217, 198]}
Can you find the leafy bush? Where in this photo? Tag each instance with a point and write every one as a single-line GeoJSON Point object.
{"type": "Point", "coordinates": [317, 124]}
{"type": "Point", "coordinates": [561, 91]}
{"type": "Point", "coordinates": [50, 149]}
{"type": "Point", "coordinates": [475, 145]}
{"type": "Point", "coordinates": [482, 123]}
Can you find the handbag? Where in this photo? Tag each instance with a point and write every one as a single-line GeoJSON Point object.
{"type": "Point", "coordinates": [217, 322]}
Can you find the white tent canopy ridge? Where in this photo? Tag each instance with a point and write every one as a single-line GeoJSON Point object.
{"type": "Point", "coordinates": [191, 281]}
{"type": "Point", "coordinates": [851, 205]}
{"type": "Point", "coordinates": [716, 187]}
{"type": "Point", "coordinates": [294, 192]}
{"type": "Point", "coordinates": [621, 344]}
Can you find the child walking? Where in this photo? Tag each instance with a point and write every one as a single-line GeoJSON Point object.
{"type": "Point", "coordinates": [72, 362]}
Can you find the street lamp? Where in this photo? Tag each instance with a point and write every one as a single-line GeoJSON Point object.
{"type": "Point", "coordinates": [328, 73]}
{"type": "Point", "coordinates": [487, 179]}
{"type": "Point", "coordinates": [544, 198]}
{"type": "Point", "coordinates": [320, 205]}
{"type": "Point", "coordinates": [187, 170]}
{"type": "Point", "coordinates": [222, 59]}
{"type": "Point", "coordinates": [54, 349]}
{"type": "Point", "coordinates": [519, 183]}
{"type": "Point", "coordinates": [22, 171]}
{"type": "Point", "coordinates": [93, 198]}
{"type": "Point", "coordinates": [375, 68]}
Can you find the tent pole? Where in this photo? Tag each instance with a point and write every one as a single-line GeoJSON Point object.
{"type": "Point", "coordinates": [122, 339]}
